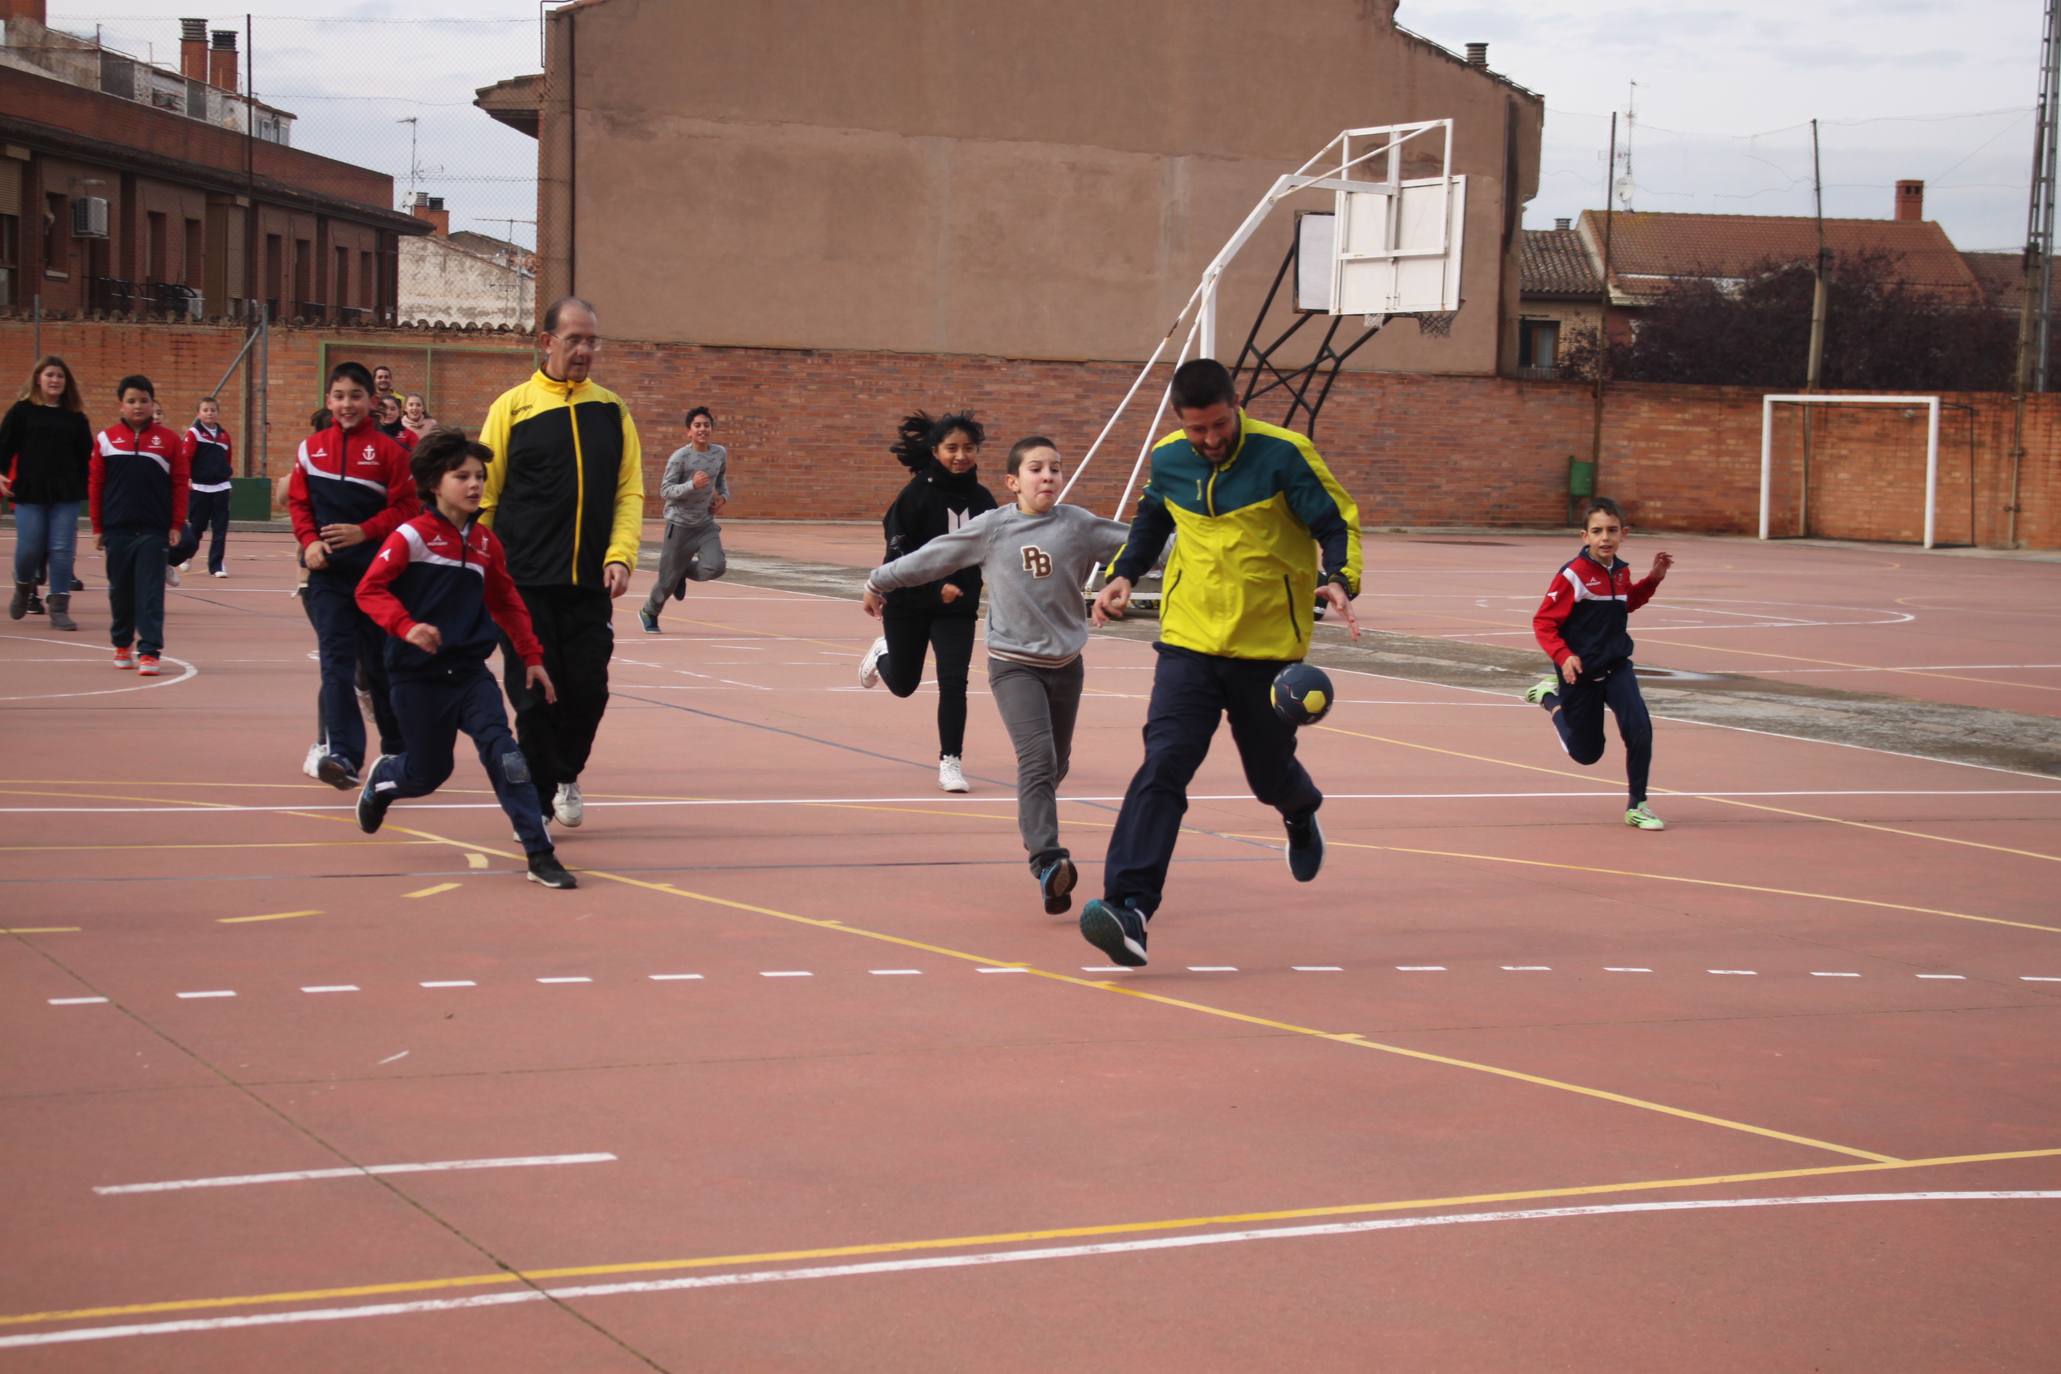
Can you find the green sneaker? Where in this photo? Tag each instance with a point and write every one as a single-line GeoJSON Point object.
{"type": "Point", "coordinates": [1641, 817]}
{"type": "Point", "coordinates": [1537, 693]}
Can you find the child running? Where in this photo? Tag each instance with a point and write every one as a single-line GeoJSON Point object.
{"type": "Point", "coordinates": [944, 494]}
{"type": "Point", "coordinates": [208, 457]}
{"type": "Point", "coordinates": [1581, 624]}
{"type": "Point", "coordinates": [351, 488]}
{"type": "Point", "coordinates": [1036, 556]}
{"type": "Point", "coordinates": [696, 487]}
{"type": "Point", "coordinates": [439, 587]}
{"type": "Point", "coordinates": [136, 489]}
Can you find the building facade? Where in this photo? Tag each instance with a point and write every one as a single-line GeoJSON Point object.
{"type": "Point", "coordinates": [126, 188]}
{"type": "Point", "coordinates": [464, 278]}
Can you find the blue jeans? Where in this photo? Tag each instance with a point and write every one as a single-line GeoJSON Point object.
{"type": "Point", "coordinates": [135, 588]}
{"type": "Point", "coordinates": [434, 709]}
{"type": "Point", "coordinates": [46, 529]}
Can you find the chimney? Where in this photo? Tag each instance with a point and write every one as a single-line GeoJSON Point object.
{"type": "Point", "coordinates": [1910, 200]}
{"type": "Point", "coordinates": [193, 49]}
{"type": "Point", "coordinates": [222, 61]}
{"type": "Point", "coordinates": [1563, 222]}
{"type": "Point", "coordinates": [430, 210]}
{"type": "Point", "coordinates": [25, 9]}
{"type": "Point", "coordinates": [1477, 54]}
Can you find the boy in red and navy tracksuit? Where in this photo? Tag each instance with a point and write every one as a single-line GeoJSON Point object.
{"type": "Point", "coordinates": [351, 488]}
{"type": "Point", "coordinates": [208, 456]}
{"type": "Point", "coordinates": [439, 586]}
{"type": "Point", "coordinates": [136, 492]}
{"type": "Point", "coordinates": [1581, 623]}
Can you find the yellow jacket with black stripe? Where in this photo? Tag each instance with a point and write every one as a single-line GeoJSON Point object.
{"type": "Point", "coordinates": [1243, 574]}
{"type": "Point", "coordinates": [565, 489]}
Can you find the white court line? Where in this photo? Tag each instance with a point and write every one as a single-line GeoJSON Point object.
{"type": "Point", "coordinates": [1420, 968]}
{"type": "Point", "coordinates": [2037, 978]}
{"type": "Point", "coordinates": [786, 973]}
{"type": "Point", "coordinates": [96, 656]}
{"type": "Point", "coordinates": [1527, 968]}
{"type": "Point", "coordinates": [440, 1166]}
{"type": "Point", "coordinates": [1953, 977]}
{"type": "Point", "coordinates": [1002, 970]}
{"type": "Point", "coordinates": [77, 1001]}
{"type": "Point", "coordinates": [751, 1277]}
{"type": "Point", "coordinates": [578, 979]}
{"type": "Point", "coordinates": [1106, 968]}
{"type": "Point", "coordinates": [1609, 969]}
{"type": "Point", "coordinates": [1734, 972]}
{"type": "Point", "coordinates": [895, 972]}
{"type": "Point", "coordinates": [1212, 968]}
{"type": "Point", "coordinates": [218, 992]}
{"type": "Point", "coordinates": [675, 977]}
{"type": "Point", "coordinates": [1317, 968]}
{"type": "Point", "coordinates": [451, 983]}
{"type": "Point", "coordinates": [1819, 974]}
{"type": "Point", "coordinates": [332, 987]}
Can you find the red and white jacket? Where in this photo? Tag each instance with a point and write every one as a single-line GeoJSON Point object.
{"type": "Point", "coordinates": [1585, 613]}
{"type": "Point", "coordinates": [137, 479]}
{"type": "Point", "coordinates": [431, 572]}
{"type": "Point", "coordinates": [359, 477]}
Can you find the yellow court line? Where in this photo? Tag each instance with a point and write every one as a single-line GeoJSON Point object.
{"type": "Point", "coordinates": [1678, 878]}
{"type": "Point", "coordinates": [475, 861]}
{"type": "Point", "coordinates": [1610, 785]}
{"type": "Point", "coordinates": [227, 844]}
{"type": "Point", "coordinates": [115, 796]}
{"type": "Point", "coordinates": [39, 930]}
{"type": "Point", "coordinates": [1121, 1228]}
{"type": "Point", "coordinates": [1352, 1040]}
{"type": "Point", "coordinates": [275, 916]}
{"type": "Point", "coordinates": [433, 891]}
{"type": "Point", "coordinates": [1840, 663]}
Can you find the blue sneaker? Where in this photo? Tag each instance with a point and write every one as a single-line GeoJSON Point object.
{"type": "Point", "coordinates": [1118, 931]}
{"type": "Point", "coordinates": [1305, 848]}
{"type": "Point", "coordinates": [647, 620]}
{"type": "Point", "coordinates": [371, 810]}
{"type": "Point", "coordinates": [1055, 885]}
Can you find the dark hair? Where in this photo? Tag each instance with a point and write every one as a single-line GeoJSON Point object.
{"type": "Point", "coordinates": [321, 419]}
{"type": "Point", "coordinates": [382, 367]}
{"type": "Point", "coordinates": [354, 372]}
{"type": "Point", "coordinates": [205, 401]}
{"type": "Point", "coordinates": [1202, 382]}
{"type": "Point", "coordinates": [920, 435]}
{"type": "Point", "coordinates": [1600, 505]}
{"type": "Point", "coordinates": [71, 400]}
{"type": "Point", "coordinates": [557, 308]}
{"type": "Point", "coordinates": [135, 381]}
{"type": "Point", "coordinates": [1027, 445]}
{"type": "Point", "coordinates": [439, 452]}
{"type": "Point", "coordinates": [699, 410]}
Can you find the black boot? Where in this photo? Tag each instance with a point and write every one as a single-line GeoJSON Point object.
{"type": "Point", "coordinates": [60, 612]}
{"type": "Point", "coordinates": [18, 605]}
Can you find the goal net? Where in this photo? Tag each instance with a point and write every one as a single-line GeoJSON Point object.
{"type": "Point", "coordinates": [1850, 467]}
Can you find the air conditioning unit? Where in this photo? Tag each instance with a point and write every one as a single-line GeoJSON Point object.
{"type": "Point", "coordinates": [89, 217]}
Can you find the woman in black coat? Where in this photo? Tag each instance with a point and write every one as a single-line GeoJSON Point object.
{"type": "Point", "coordinates": [46, 449]}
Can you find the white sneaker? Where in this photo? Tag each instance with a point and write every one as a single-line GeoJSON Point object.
{"type": "Point", "coordinates": [219, 572]}
{"type": "Point", "coordinates": [172, 574]}
{"type": "Point", "coordinates": [312, 767]}
{"type": "Point", "coordinates": [567, 806]}
{"type": "Point", "coordinates": [950, 777]}
{"type": "Point", "coordinates": [869, 663]}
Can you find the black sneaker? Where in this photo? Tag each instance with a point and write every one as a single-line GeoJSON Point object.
{"type": "Point", "coordinates": [1118, 931]}
{"type": "Point", "coordinates": [35, 603]}
{"type": "Point", "coordinates": [77, 585]}
{"type": "Point", "coordinates": [1055, 885]}
{"type": "Point", "coordinates": [371, 810]}
{"type": "Point", "coordinates": [1305, 848]}
{"type": "Point", "coordinates": [337, 773]}
{"type": "Point", "coordinates": [545, 869]}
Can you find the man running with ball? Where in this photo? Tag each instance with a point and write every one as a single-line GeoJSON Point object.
{"type": "Point", "coordinates": [1251, 502]}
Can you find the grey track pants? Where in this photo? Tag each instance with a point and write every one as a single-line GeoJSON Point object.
{"type": "Point", "coordinates": [690, 553]}
{"type": "Point", "coordinates": [1039, 707]}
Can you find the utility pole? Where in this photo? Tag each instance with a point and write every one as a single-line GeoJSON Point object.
{"type": "Point", "coordinates": [1603, 315]}
{"type": "Point", "coordinates": [413, 166]}
{"type": "Point", "coordinates": [2036, 311]}
{"type": "Point", "coordinates": [1814, 365]}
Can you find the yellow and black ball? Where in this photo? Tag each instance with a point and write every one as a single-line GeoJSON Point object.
{"type": "Point", "coordinates": [1302, 694]}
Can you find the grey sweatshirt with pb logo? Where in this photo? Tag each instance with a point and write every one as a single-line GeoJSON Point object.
{"type": "Point", "coordinates": [1034, 567]}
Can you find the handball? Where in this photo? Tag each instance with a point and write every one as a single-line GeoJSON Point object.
{"type": "Point", "coordinates": [1302, 694]}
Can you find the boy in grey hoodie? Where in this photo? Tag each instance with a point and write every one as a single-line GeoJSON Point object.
{"type": "Point", "coordinates": [1034, 558]}
{"type": "Point", "coordinates": [696, 486]}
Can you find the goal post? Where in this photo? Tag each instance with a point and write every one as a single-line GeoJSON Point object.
{"type": "Point", "coordinates": [1767, 447]}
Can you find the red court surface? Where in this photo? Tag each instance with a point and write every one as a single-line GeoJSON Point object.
{"type": "Point", "coordinates": [802, 1076]}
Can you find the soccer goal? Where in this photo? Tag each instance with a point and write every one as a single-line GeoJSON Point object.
{"type": "Point", "coordinates": [1768, 475]}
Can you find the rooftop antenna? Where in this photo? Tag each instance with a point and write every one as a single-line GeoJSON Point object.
{"type": "Point", "coordinates": [414, 167]}
{"type": "Point", "coordinates": [1623, 184]}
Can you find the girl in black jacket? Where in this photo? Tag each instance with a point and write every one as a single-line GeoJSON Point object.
{"type": "Point", "coordinates": [944, 494]}
{"type": "Point", "coordinates": [46, 447]}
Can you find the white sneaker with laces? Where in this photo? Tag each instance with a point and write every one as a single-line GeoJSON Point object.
{"type": "Point", "coordinates": [219, 572]}
{"type": "Point", "coordinates": [869, 662]}
{"type": "Point", "coordinates": [567, 806]}
{"type": "Point", "coordinates": [313, 764]}
{"type": "Point", "coordinates": [950, 777]}
{"type": "Point", "coordinates": [173, 573]}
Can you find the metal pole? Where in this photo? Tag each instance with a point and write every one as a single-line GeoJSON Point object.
{"type": "Point", "coordinates": [265, 390]}
{"type": "Point", "coordinates": [1931, 467]}
{"type": "Point", "coordinates": [1767, 411]}
{"type": "Point", "coordinates": [1603, 319]}
{"type": "Point", "coordinates": [1814, 363]}
{"type": "Point", "coordinates": [230, 370]}
{"type": "Point", "coordinates": [2050, 102]}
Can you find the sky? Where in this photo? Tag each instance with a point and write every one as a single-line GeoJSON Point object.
{"type": "Point", "coordinates": [1940, 90]}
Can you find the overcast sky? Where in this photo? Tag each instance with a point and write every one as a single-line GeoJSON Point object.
{"type": "Point", "coordinates": [1941, 90]}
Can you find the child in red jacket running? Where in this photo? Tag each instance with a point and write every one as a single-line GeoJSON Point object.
{"type": "Point", "coordinates": [136, 490]}
{"type": "Point", "coordinates": [1581, 624]}
{"type": "Point", "coordinates": [439, 586]}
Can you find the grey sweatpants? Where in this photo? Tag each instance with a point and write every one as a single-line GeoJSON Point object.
{"type": "Point", "coordinates": [690, 553]}
{"type": "Point", "coordinates": [1039, 707]}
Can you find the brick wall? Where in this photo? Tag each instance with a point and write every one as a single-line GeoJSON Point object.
{"type": "Point", "coordinates": [808, 431]}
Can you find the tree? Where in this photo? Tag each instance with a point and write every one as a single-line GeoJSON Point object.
{"type": "Point", "coordinates": [1881, 333]}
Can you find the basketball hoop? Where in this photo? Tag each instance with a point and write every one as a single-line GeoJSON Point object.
{"type": "Point", "coordinates": [1436, 324]}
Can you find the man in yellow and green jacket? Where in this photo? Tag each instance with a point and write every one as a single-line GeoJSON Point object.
{"type": "Point", "coordinates": [1253, 505]}
{"type": "Point", "coordinates": [565, 495]}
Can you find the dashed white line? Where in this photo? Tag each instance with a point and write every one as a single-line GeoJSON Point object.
{"type": "Point", "coordinates": [1946, 977]}
{"type": "Point", "coordinates": [1317, 968]}
{"type": "Point", "coordinates": [894, 972]}
{"type": "Point", "coordinates": [217, 992]}
{"type": "Point", "coordinates": [2036, 978]}
{"type": "Point", "coordinates": [309, 1175]}
{"type": "Point", "coordinates": [76, 1001]}
{"type": "Point", "coordinates": [675, 977]}
{"type": "Point", "coordinates": [1212, 968]}
{"type": "Point", "coordinates": [1821, 973]}
{"type": "Point", "coordinates": [577, 979]}
{"type": "Point", "coordinates": [1527, 968]}
{"type": "Point", "coordinates": [999, 969]}
{"type": "Point", "coordinates": [786, 973]}
{"type": "Point", "coordinates": [1106, 968]}
{"type": "Point", "coordinates": [451, 983]}
{"type": "Point", "coordinates": [1621, 968]}
{"type": "Point", "coordinates": [1734, 972]}
{"type": "Point", "coordinates": [1420, 968]}
{"type": "Point", "coordinates": [332, 987]}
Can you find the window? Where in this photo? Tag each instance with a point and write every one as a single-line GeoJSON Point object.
{"type": "Point", "coordinates": [156, 247]}
{"type": "Point", "coordinates": [340, 285]}
{"type": "Point", "coordinates": [303, 272]}
{"type": "Point", "coordinates": [365, 281]}
{"type": "Point", "coordinates": [195, 256]}
{"type": "Point", "coordinates": [1538, 344]}
{"type": "Point", "coordinates": [275, 273]}
{"type": "Point", "coordinates": [10, 257]}
{"type": "Point", "coordinates": [57, 234]}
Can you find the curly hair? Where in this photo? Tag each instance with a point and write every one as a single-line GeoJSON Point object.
{"type": "Point", "coordinates": [918, 436]}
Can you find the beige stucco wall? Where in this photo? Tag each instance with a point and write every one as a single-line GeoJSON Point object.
{"type": "Point", "coordinates": [441, 281]}
{"type": "Point", "coordinates": [1045, 179]}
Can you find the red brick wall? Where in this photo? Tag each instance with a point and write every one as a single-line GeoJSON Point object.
{"type": "Point", "coordinates": [809, 431]}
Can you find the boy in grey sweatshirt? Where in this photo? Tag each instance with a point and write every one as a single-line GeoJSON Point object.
{"type": "Point", "coordinates": [1034, 558]}
{"type": "Point", "coordinates": [696, 485]}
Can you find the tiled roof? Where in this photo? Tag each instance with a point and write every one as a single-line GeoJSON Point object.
{"type": "Point", "coordinates": [1553, 262]}
{"type": "Point", "coordinates": [2002, 276]}
{"type": "Point", "coordinates": [1648, 250]}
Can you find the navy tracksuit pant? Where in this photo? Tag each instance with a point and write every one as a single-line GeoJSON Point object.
{"type": "Point", "coordinates": [573, 625]}
{"type": "Point", "coordinates": [135, 589]}
{"type": "Point", "coordinates": [1580, 722]}
{"type": "Point", "coordinates": [1190, 693]}
{"type": "Point", "coordinates": [347, 638]}
{"type": "Point", "coordinates": [209, 511]}
{"type": "Point", "coordinates": [434, 709]}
